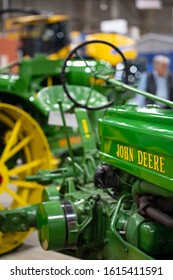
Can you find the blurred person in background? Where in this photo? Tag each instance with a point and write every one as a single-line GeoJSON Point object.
{"type": "Point", "coordinates": [159, 82]}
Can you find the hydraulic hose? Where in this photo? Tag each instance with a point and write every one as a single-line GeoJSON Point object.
{"type": "Point", "coordinates": [146, 208]}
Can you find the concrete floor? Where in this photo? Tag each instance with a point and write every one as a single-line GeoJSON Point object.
{"type": "Point", "coordinates": [31, 250]}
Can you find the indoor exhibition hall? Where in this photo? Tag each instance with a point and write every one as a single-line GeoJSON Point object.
{"type": "Point", "coordinates": [86, 131]}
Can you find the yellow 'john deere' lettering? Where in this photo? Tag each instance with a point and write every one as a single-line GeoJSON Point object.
{"type": "Point", "coordinates": [151, 161]}
{"type": "Point", "coordinates": [125, 152]}
{"type": "Point", "coordinates": [145, 159]}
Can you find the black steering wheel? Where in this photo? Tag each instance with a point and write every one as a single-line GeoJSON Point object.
{"type": "Point", "coordinates": [71, 96]}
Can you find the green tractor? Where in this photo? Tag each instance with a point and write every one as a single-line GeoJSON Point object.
{"type": "Point", "coordinates": [38, 85]}
{"type": "Point", "coordinates": [30, 118]}
{"type": "Point", "coordinates": [115, 200]}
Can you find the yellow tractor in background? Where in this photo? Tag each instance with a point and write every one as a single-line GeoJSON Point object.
{"type": "Point", "coordinates": [48, 34]}
{"type": "Point", "coordinates": [124, 43]}
{"type": "Point", "coordinates": [51, 34]}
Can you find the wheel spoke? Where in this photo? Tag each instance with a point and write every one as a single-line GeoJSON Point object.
{"type": "Point", "coordinates": [25, 167]}
{"type": "Point", "coordinates": [24, 184]}
{"type": "Point", "coordinates": [18, 147]}
{"type": "Point", "coordinates": [21, 156]}
{"type": "Point", "coordinates": [16, 196]}
{"type": "Point", "coordinates": [90, 92]}
{"type": "Point", "coordinates": [84, 60]}
{"type": "Point", "coordinates": [12, 140]}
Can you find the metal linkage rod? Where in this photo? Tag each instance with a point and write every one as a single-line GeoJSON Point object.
{"type": "Point", "coordinates": [135, 90]}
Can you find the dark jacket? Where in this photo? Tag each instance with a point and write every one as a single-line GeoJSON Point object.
{"type": "Point", "coordinates": [151, 87]}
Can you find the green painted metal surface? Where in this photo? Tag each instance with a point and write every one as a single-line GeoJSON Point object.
{"type": "Point", "coordinates": [138, 141]}
{"type": "Point", "coordinates": [51, 225]}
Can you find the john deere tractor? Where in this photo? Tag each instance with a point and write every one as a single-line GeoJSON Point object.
{"type": "Point", "coordinates": [30, 116]}
{"type": "Point", "coordinates": [32, 135]}
{"type": "Point", "coordinates": [115, 200]}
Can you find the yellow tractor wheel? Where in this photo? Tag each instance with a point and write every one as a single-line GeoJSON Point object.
{"type": "Point", "coordinates": [24, 150]}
